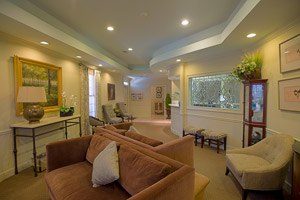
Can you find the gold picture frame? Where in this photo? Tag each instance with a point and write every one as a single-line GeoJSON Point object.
{"type": "Point", "coordinates": [35, 73]}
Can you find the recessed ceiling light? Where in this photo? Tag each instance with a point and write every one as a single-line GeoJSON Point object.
{"type": "Point", "coordinates": [100, 65]}
{"type": "Point", "coordinates": [110, 28]}
{"type": "Point", "coordinates": [178, 60]}
{"type": "Point", "coordinates": [251, 35]}
{"type": "Point", "coordinates": [78, 57]}
{"type": "Point", "coordinates": [130, 49]}
{"type": "Point", "coordinates": [44, 42]}
{"type": "Point", "coordinates": [160, 70]}
{"type": "Point", "coordinates": [185, 22]}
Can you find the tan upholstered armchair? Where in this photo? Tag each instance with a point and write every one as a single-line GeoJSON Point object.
{"type": "Point", "coordinates": [262, 166]}
{"type": "Point", "coordinates": [109, 115]}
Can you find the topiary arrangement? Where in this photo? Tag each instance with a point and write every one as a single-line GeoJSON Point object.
{"type": "Point", "coordinates": [249, 68]}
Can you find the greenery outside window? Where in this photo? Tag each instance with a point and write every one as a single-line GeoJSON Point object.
{"type": "Point", "coordinates": [215, 91]}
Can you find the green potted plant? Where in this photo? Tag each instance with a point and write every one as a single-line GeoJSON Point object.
{"type": "Point", "coordinates": [168, 101]}
{"type": "Point", "coordinates": [249, 68]}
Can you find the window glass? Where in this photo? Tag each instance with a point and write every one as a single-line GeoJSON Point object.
{"type": "Point", "coordinates": [92, 96]}
{"type": "Point", "coordinates": [215, 91]}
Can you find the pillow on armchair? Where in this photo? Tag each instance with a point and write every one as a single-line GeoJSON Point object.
{"type": "Point", "coordinates": [97, 144]}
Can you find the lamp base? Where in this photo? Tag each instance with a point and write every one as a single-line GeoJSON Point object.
{"type": "Point", "coordinates": [33, 113]}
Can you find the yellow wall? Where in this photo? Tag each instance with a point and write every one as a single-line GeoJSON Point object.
{"type": "Point", "coordinates": [71, 83]}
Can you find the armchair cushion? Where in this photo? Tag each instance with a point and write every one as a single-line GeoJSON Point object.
{"type": "Point", "coordinates": [240, 163]}
{"type": "Point", "coordinates": [74, 182]}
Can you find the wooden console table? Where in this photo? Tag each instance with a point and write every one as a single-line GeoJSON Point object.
{"type": "Point", "coordinates": [67, 122]}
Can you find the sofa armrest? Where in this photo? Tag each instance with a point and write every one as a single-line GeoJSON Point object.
{"type": "Point", "coordinates": [124, 125]}
{"type": "Point", "coordinates": [66, 152]}
{"type": "Point", "coordinates": [177, 186]}
{"type": "Point", "coordinates": [181, 150]}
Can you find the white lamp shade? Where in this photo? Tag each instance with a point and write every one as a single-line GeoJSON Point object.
{"type": "Point", "coordinates": [28, 94]}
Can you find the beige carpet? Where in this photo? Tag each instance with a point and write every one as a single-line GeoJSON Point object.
{"type": "Point", "coordinates": [25, 187]}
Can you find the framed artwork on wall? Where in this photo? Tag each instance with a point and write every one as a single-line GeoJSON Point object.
{"type": "Point", "coordinates": [38, 74]}
{"type": "Point", "coordinates": [136, 96]}
{"type": "Point", "coordinates": [289, 94]}
{"type": "Point", "coordinates": [289, 51]}
{"type": "Point", "coordinates": [111, 91]}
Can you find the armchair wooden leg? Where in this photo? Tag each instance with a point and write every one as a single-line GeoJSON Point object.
{"type": "Point", "coordinates": [244, 194]}
{"type": "Point", "coordinates": [227, 171]}
{"type": "Point", "coordinates": [196, 138]}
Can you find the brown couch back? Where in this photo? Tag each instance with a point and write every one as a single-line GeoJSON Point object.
{"type": "Point", "coordinates": [181, 149]}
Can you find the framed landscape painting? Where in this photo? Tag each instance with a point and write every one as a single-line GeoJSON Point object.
{"type": "Point", "coordinates": [38, 74]}
{"type": "Point", "coordinates": [290, 54]}
{"type": "Point", "coordinates": [289, 94]}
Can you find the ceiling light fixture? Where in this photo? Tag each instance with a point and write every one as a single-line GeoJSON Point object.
{"type": "Point", "coordinates": [110, 28]}
{"type": "Point", "coordinates": [185, 22]}
{"type": "Point", "coordinates": [100, 65]}
{"type": "Point", "coordinates": [160, 70]}
{"type": "Point", "coordinates": [251, 35]}
{"type": "Point", "coordinates": [44, 43]}
{"type": "Point", "coordinates": [130, 49]}
{"type": "Point", "coordinates": [178, 60]}
{"type": "Point", "coordinates": [78, 57]}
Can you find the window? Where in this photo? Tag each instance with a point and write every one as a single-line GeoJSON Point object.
{"type": "Point", "coordinates": [92, 93]}
{"type": "Point", "coordinates": [215, 91]}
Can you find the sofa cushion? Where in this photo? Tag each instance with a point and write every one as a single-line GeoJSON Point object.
{"type": "Point", "coordinates": [134, 135]}
{"type": "Point", "coordinates": [98, 143]}
{"type": "Point", "coordinates": [73, 182]}
{"type": "Point", "coordinates": [106, 166]}
{"type": "Point", "coordinates": [144, 170]}
{"type": "Point", "coordinates": [112, 128]}
{"type": "Point", "coordinates": [240, 163]}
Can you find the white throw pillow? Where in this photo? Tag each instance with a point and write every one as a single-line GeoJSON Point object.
{"type": "Point", "coordinates": [106, 166]}
{"type": "Point", "coordinates": [132, 128]}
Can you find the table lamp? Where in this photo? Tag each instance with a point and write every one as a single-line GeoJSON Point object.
{"type": "Point", "coordinates": [33, 112]}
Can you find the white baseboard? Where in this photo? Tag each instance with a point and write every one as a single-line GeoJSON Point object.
{"type": "Point", "coordinates": [10, 172]}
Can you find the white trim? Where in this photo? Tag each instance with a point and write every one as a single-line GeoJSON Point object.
{"type": "Point", "coordinates": [218, 110]}
{"type": "Point", "coordinates": [216, 118]}
{"type": "Point", "coordinates": [176, 132]}
{"type": "Point", "coordinates": [5, 132]}
{"type": "Point", "coordinates": [11, 172]}
{"type": "Point", "coordinates": [271, 131]}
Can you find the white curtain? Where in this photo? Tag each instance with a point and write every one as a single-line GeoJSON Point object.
{"type": "Point", "coordinates": [84, 100]}
{"type": "Point", "coordinates": [98, 94]}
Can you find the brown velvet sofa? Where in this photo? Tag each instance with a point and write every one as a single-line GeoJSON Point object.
{"type": "Point", "coordinates": [69, 175]}
{"type": "Point", "coordinates": [181, 150]}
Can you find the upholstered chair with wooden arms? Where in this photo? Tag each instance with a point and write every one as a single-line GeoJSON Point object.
{"type": "Point", "coordinates": [262, 166]}
{"type": "Point", "coordinates": [109, 115]}
{"type": "Point", "coordinates": [123, 111]}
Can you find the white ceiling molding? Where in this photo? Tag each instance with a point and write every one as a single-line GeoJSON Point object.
{"type": "Point", "coordinates": [21, 16]}
{"type": "Point", "coordinates": [184, 46]}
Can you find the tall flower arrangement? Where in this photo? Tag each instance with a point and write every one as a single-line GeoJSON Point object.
{"type": "Point", "coordinates": [249, 68]}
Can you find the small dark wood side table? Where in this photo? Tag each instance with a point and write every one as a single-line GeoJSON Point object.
{"type": "Point", "coordinates": [296, 171]}
{"type": "Point", "coordinates": [64, 121]}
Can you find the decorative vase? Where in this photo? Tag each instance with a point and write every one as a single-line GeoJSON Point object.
{"type": "Point", "coordinates": [33, 113]}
